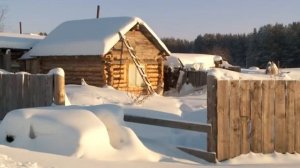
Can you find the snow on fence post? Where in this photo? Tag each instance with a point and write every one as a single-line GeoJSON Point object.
{"type": "Point", "coordinates": [59, 85]}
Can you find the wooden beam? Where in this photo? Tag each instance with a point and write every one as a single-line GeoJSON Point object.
{"type": "Point", "coordinates": [208, 156]}
{"type": "Point", "coordinates": [169, 123]}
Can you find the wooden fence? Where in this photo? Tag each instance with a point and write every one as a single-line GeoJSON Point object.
{"type": "Point", "coordinates": [195, 78]}
{"type": "Point", "coordinates": [261, 116]}
{"type": "Point", "coordinates": [24, 90]}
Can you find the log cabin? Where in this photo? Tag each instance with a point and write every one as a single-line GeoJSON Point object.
{"type": "Point", "coordinates": [93, 50]}
{"type": "Point", "coordinates": [12, 47]}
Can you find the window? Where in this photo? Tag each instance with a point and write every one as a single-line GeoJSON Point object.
{"type": "Point", "coordinates": [134, 77]}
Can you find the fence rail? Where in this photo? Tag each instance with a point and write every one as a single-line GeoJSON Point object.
{"type": "Point", "coordinates": [206, 128]}
{"type": "Point", "coordinates": [26, 90]}
{"type": "Point", "coordinates": [261, 116]}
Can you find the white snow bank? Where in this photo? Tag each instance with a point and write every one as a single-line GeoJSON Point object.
{"type": "Point", "coordinates": [92, 132]}
{"type": "Point", "coordinates": [223, 74]}
{"type": "Point", "coordinates": [91, 95]}
{"type": "Point", "coordinates": [18, 41]}
{"type": "Point", "coordinates": [194, 61]}
{"type": "Point", "coordinates": [20, 157]}
{"type": "Point", "coordinates": [259, 158]}
{"type": "Point", "coordinates": [88, 37]}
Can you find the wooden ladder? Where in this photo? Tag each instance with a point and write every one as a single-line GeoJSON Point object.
{"type": "Point", "coordinates": [137, 64]}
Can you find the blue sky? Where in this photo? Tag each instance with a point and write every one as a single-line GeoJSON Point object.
{"type": "Point", "coordinates": [168, 18]}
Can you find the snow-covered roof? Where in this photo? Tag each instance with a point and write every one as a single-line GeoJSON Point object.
{"type": "Point", "coordinates": [18, 41]}
{"type": "Point", "coordinates": [189, 60]}
{"type": "Point", "coordinates": [89, 37]}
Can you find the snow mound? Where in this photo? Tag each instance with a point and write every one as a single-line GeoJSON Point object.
{"type": "Point", "coordinates": [94, 132]}
{"type": "Point", "coordinates": [91, 95]}
{"type": "Point", "coordinates": [57, 71]}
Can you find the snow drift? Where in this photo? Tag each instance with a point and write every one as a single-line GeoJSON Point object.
{"type": "Point", "coordinates": [94, 132]}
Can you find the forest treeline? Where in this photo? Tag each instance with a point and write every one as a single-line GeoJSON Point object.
{"type": "Point", "coordinates": [278, 43]}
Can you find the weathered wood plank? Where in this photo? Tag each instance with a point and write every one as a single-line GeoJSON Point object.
{"type": "Point", "coordinates": [11, 97]}
{"type": "Point", "coordinates": [235, 128]}
{"type": "Point", "coordinates": [223, 123]}
{"type": "Point", "coordinates": [19, 91]}
{"type": "Point", "coordinates": [2, 98]}
{"type": "Point", "coordinates": [208, 156]}
{"type": "Point", "coordinates": [256, 115]}
{"type": "Point", "coordinates": [8, 92]}
{"type": "Point", "coordinates": [245, 115]}
{"type": "Point", "coordinates": [290, 116]}
{"type": "Point", "coordinates": [280, 126]}
{"type": "Point", "coordinates": [297, 116]}
{"type": "Point", "coordinates": [268, 116]}
{"type": "Point", "coordinates": [212, 112]}
{"type": "Point", "coordinates": [26, 91]}
{"type": "Point", "coordinates": [169, 123]}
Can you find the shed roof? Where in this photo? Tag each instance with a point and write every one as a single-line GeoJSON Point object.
{"type": "Point", "coordinates": [89, 37]}
{"type": "Point", "coordinates": [18, 41]}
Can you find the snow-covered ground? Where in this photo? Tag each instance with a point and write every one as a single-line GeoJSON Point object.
{"type": "Point", "coordinates": [91, 132]}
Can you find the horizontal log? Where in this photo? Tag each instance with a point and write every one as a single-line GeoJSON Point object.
{"type": "Point", "coordinates": [120, 85]}
{"type": "Point", "coordinates": [118, 71]}
{"type": "Point", "coordinates": [203, 127]}
{"type": "Point", "coordinates": [118, 66]}
{"type": "Point", "coordinates": [70, 60]}
{"type": "Point", "coordinates": [153, 80]}
{"type": "Point", "coordinates": [122, 70]}
{"type": "Point", "coordinates": [76, 78]}
{"type": "Point", "coordinates": [84, 73]}
{"type": "Point", "coordinates": [152, 66]}
{"type": "Point", "coordinates": [153, 83]}
{"type": "Point", "coordinates": [152, 71]}
{"type": "Point", "coordinates": [119, 76]}
{"type": "Point", "coordinates": [152, 75]}
{"type": "Point", "coordinates": [74, 68]}
{"type": "Point", "coordinates": [115, 81]}
{"type": "Point", "coordinates": [68, 63]}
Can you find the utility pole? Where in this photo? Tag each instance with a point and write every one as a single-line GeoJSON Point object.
{"type": "Point", "coordinates": [20, 26]}
{"type": "Point", "coordinates": [98, 11]}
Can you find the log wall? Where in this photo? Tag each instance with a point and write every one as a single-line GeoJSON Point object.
{"type": "Point", "coordinates": [116, 68]}
{"type": "Point", "coordinates": [88, 67]}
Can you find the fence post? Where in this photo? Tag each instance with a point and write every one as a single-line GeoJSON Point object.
{"type": "Point", "coordinates": [59, 86]}
{"type": "Point", "coordinates": [212, 112]}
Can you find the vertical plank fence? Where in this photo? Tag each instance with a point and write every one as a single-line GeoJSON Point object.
{"type": "Point", "coordinates": [26, 90]}
{"type": "Point", "coordinates": [261, 116]}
